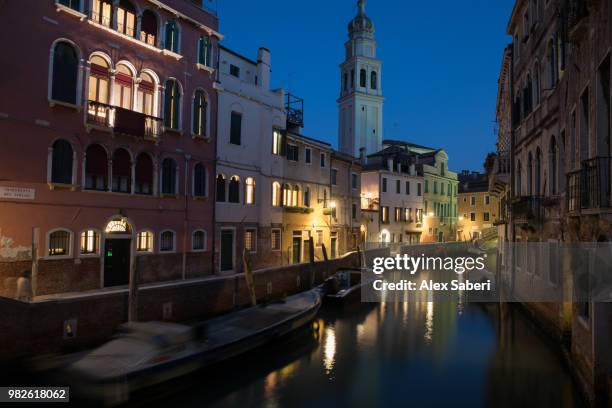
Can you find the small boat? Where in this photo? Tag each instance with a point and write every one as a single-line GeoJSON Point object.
{"type": "Point", "coordinates": [344, 287]}
{"type": "Point", "coordinates": [145, 354]}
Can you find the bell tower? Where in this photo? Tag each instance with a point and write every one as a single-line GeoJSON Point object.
{"type": "Point", "coordinates": [360, 105]}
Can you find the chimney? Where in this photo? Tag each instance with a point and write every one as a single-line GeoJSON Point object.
{"type": "Point", "coordinates": [390, 164]}
{"type": "Point", "coordinates": [264, 67]}
{"type": "Point", "coordinates": [362, 156]}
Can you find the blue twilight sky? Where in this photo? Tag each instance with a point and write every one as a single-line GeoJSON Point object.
{"type": "Point", "coordinates": [441, 62]}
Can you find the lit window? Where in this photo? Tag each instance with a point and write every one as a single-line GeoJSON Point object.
{"type": "Point", "coordinates": [249, 240]}
{"type": "Point", "coordinates": [102, 12]}
{"type": "Point", "coordinates": [249, 193]}
{"type": "Point", "coordinates": [286, 195]}
{"type": "Point", "coordinates": [144, 241]}
{"type": "Point", "coordinates": [90, 240]}
{"type": "Point", "coordinates": [278, 142]}
{"type": "Point", "coordinates": [59, 243]}
{"type": "Point", "coordinates": [199, 241]}
{"type": "Point", "coordinates": [295, 196]}
{"type": "Point", "coordinates": [276, 194]}
{"type": "Point", "coordinates": [276, 240]}
{"type": "Point", "coordinates": [166, 243]}
{"type": "Point", "coordinates": [126, 18]}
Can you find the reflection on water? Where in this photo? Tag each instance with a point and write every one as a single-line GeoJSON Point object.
{"type": "Point", "coordinates": [425, 353]}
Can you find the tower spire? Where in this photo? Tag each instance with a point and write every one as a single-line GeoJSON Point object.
{"type": "Point", "coordinates": [361, 4]}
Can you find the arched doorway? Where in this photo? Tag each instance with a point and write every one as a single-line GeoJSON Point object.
{"type": "Point", "coordinates": [117, 251]}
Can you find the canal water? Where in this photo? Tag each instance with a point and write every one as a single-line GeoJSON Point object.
{"type": "Point", "coordinates": [420, 354]}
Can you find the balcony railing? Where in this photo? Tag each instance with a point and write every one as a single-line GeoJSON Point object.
{"type": "Point", "coordinates": [295, 110]}
{"type": "Point", "coordinates": [590, 187]}
{"type": "Point", "coordinates": [123, 121]}
{"type": "Point", "coordinates": [528, 209]}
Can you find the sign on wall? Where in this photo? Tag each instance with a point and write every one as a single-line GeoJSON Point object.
{"type": "Point", "coordinates": [17, 193]}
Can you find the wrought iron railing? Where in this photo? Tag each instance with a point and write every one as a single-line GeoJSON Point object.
{"type": "Point", "coordinates": [596, 183]}
{"type": "Point", "coordinates": [528, 208]}
{"type": "Point", "coordinates": [123, 121]}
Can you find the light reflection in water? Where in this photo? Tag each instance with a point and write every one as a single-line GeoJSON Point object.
{"type": "Point", "coordinates": [429, 325]}
{"type": "Point", "coordinates": [329, 350]}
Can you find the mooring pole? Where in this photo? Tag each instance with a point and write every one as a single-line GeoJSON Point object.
{"type": "Point", "coordinates": [133, 292]}
{"type": "Point", "coordinates": [248, 277]}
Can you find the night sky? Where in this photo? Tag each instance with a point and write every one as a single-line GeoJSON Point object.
{"type": "Point", "coordinates": [441, 63]}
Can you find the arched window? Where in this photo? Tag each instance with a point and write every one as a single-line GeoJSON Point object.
{"type": "Point", "coordinates": [249, 191]}
{"type": "Point", "coordinates": [144, 174]}
{"type": "Point", "coordinates": [553, 166]}
{"type": "Point", "coordinates": [295, 196]}
{"type": "Point", "coordinates": [61, 162]}
{"type": "Point", "coordinates": [552, 64]}
{"type": "Point", "coordinates": [169, 174]}
{"type": "Point", "coordinates": [126, 18]}
{"type": "Point", "coordinates": [538, 172]}
{"type": "Point", "coordinates": [200, 111]}
{"type": "Point", "coordinates": [276, 194]}
{"type": "Point", "coordinates": [530, 175]}
{"type": "Point", "coordinates": [373, 80]}
{"type": "Point", "coordinates": [65, 73]}
{"type": "Point", "coordinates": [362, 78]}
{"type": "Point", "coordinates": [122, 171]}
{"type": "Point", "coordinates": [234, 190]}
{"type": "Point", "coordinates": [167, 242]}
{"type": "Point", "coordinates": [286, 195]}
{"type": "Point", "coordinates": [199, 180]}
{"type": "Point", "coordinates": [220, 188]}
{"type": "Point", "coordinates": [537, 85]}
{"type": "Point", "coordinates": [59, 243]}
{"type": "Point", "coordinates": [205, 51]}
{"type": "Point", "coordinates": [307, 197]}
{"type": "Point", "coordinates": [99, 80]}
{"type": "Point", "coordinates": [148, 28]}
{"type": "Point", "coordinates": [172, 104]}
{"type": "Point", "coordinates": [146, 94]}
{"type": "Point", "coordinates": [102, 12]}
{"type": "Point", "coordinates": [198, 240]}
{"type": "Point", "coordinates": [123, 87]}
{"type": "Point", "coordinates": [519, 181]}
{"type": "Point", "coordinates": [172, 36]}
{"type": "Point", "coordinates": [96, 168]}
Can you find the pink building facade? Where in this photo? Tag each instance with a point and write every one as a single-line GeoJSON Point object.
{"type": "Point", "coordinates": [107, 143]}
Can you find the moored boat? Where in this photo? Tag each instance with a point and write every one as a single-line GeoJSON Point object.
{"type": "Point", "coordinates": [145, 354]}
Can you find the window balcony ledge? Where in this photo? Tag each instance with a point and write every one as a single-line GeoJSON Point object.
{"type": "Point", "coordinates": [53, 102]}
{"type": "Point", "coordinates": [60, 7]}
{"type": "Point", "coordinates": [206, 139]}
{"type": "Point", "coordinates": [171, 54]}
{"type": "Point", "coordinates": [62, 186]}
{"type": "Point", "coordinates": [206, 68]}
{"type": "Point", "coordinates": [86, 256]}
{"type": "Point", "coordinates": [171, 130]}
{"type": "Point", "coordinates": [299, 210]}
{"type": "Point", "coordinates": [89, 127]}
{"type": "Point", "coordinates": [171, 196]}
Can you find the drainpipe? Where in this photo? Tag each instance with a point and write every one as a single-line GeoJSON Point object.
{"type": "Point", "coordinates": [512, 170]}
{"type": "Point", "coordinates": [185, 218]}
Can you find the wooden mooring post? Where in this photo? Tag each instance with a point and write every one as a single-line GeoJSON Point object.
{"type": "Point", "coordinates": [248, 277]}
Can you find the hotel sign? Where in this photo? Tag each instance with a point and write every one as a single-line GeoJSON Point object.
{"type": "Point", "coordinates": [17, 193]}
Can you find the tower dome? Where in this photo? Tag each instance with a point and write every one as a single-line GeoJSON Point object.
{"type": "Point", "coordinates": [361, 23]}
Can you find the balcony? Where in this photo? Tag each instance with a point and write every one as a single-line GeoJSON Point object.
{"type": "Point", "coordinates": [298, 210]}
{"type": "Point", "coordinates": [528, 210]}
{"type": "Point", "coordinates": [122, 121]}
{"type": "Point", "coordinates": [295, 110]}
{"type": "Point", "coordinates": [590, 187]}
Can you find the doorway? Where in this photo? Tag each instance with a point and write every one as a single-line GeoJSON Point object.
{"type": "Point", "coordinates": [227, 250]}
{"type": "Point", "coordinates": [117, 262]}
{"type": "Point", "coordinates": [296, 247]}
{"type": "Point", "coordinates": [440, 236]}
{"type": "Point", "coordinates": [334, 245]}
